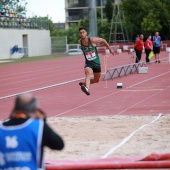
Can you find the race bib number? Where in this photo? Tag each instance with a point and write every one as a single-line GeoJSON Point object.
{"type": "Point", "coordinates": [90, 55]}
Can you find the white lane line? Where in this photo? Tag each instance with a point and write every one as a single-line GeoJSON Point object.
{"type": "Point", "coordinates": [144, 90]}
{"type": "Point", "coordinates": [126, 139]}
{"type": "Point", "coordinates": [111, 95]}
{"type": "Point", "coordinates": [86, 103]}
{"type": "Point", "coordinates": [103, 98]}
{"type": "Point", "coordinates": [42, 88]}
{"type": "Point", "coordinates": [138, 102]}
{"type": "Point", "coordinates": [149, 79]}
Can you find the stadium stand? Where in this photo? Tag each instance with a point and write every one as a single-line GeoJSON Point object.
{"type": "Point", "coordinates": [9, 18]}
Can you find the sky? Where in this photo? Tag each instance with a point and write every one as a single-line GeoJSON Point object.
{"type": "Point", "coordinates": [55, 9]}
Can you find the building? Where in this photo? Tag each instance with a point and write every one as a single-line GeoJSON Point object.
{"type": "Point", "coordinates": [75, 10]}
{"type": "Point", "coordinates": [22, 36]}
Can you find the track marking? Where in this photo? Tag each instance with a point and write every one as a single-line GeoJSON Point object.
{"type": "Point", "coordinates": [42, 88]}
{"type": "Point", "coordinates": [144, 90]}
{"type": "Point", "coordinates": [126, 139]}
{"type": "Point", "coordinates": [86, 104]}
{"type": "Point", "coordinates": [111, 95]}
{"type": "Point", "coordinates": [149, 79]}
{"type": "Point", "coordinates": [106, 97]}
{"type": "Point", "coordinates": [138, 102]}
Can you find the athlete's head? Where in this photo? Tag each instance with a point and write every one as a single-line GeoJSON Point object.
{"type": "Point", "coordinates": [82, 32]}
{"type": "Point", "coordinates": [25, 103]}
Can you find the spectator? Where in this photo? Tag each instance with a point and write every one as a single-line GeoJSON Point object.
{"type": "Point", "coordinates": [148, 48]}
{"type": "Point", "coordinates": [23, 138]}
{"type": "Point", "coordinates": [156, 46]}
{"type": "Point", "coordinates": [139, 46]}
{"type": "Point", "coordinates": [137, 37]}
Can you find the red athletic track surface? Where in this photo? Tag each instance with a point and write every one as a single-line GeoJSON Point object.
{"type": "Point", "coordinates": [141, 93]}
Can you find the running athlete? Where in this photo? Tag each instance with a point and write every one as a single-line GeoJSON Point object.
{"type": "Point", "coordinates": [92, 60]}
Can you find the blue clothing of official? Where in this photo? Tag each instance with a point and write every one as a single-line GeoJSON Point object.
{"type": "Point", "coordinates": [20, 146]}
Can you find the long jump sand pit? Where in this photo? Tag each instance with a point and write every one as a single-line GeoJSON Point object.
{"type": "Point", "coordinates": [111, 136]}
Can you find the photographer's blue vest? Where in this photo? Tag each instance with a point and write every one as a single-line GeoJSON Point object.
{"type": "Point", "coordinates": [20, 145]}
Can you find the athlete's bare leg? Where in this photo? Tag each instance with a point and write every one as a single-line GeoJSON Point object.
{"type": "Point", "coordinates": [96, 78]}
{"type": "Point", "coordinates": [88, 73]}
{"type": "Point", "coordinates": [88, 80]}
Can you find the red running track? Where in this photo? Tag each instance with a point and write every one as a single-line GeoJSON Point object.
{"type": "Point", "coordinates": [141, 93]}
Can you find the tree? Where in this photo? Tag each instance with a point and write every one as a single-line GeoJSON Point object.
{"type": "Point", "coordinates": [150, 23]}
{"type": "Point", "coordinates": [109, 10]}
{"type": "Point", "coordinates": [84, 23]}
{"type": "Point", "coordinates": [72, 34]}
{"type": "Point", "coordinates": [147, 16]}
{"type": "Point", "coordinates": [18, 5]}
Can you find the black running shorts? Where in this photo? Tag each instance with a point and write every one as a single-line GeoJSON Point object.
{"type": "Point", "coordinates": [95, 68]}
{"type": "Point", "coordinates": [156, 50]}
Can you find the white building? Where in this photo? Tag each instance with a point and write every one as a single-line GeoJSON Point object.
{"type": "Point", "coordinates": [30, 35]}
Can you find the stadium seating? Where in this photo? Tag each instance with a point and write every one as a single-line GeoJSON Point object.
{"type": "Point", "coordinates": [9, 18]}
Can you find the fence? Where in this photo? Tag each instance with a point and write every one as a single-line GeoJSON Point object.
{"type": "Point", "coordinates": [16, 49]}
{"type": "Point", "coordinates": [122, 70]}
{"type": "Point", "coordinates": [58, 44]}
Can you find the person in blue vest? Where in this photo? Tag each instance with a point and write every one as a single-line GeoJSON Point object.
{"type": "Point", "coordinates": [156, 46]}
{"type": "Point", "coordinates": [23, 137]}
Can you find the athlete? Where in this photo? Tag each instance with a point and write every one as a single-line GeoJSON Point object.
{"type": "Point", "coordinates": [92, 60]}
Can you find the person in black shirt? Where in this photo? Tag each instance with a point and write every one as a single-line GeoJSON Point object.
{"type": "Point", "coordinates": [24, 111]}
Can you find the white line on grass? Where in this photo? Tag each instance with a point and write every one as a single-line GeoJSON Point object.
{"type": "Point", "coordinates": [126, 139]}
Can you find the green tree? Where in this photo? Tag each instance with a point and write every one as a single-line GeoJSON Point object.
{"type": "Point", "coordinates": [72, 34]}
{"type": "Point", "coordinates": [84, 23]}
{"type": "Point", "coordinates": [109, 10]}
{"type": "Point", "coordinates": [52, 28]}
{"type": "Point", "coordinates": [148, 16]}
{"type": "Point", "coordinates": [150, 23]}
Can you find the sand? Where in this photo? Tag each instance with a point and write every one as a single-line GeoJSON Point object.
{"type": "Point", "coordinates": [111, 136]}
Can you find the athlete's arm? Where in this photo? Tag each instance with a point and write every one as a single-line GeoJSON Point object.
{"type": "Point", "coordinates": [79, 42]}
{"type": "Point", "coordinates": [101, 40]}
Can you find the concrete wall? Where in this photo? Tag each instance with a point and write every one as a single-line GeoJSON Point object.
{"type": "Point", "coordinates": [37, 41]}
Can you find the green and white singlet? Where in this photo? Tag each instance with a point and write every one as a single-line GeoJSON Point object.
{"type": "Point", "coordinates": [90, 53]}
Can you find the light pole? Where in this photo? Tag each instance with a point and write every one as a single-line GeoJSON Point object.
{"type": "Point", "coordinates": [92, 18]}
